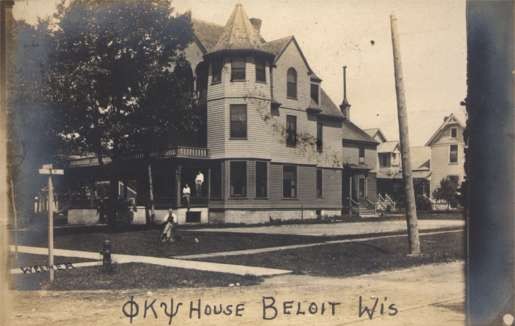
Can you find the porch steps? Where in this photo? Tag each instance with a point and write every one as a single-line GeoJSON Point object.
{"type": "Point", "coordinates": [366, 212]}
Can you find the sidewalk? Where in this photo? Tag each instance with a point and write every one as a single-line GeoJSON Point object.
{"type": "Point", "coordinates": [196, 265]}
{"type": "Point", "coordinates": [316, 244]}
{"type": "Point", "coordinates": [338, 229]}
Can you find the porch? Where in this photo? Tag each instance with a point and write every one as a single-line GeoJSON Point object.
{"type": "Point", "coordinates": [138, 183]}
{"type": "Point", "coordinates": [359, 191]}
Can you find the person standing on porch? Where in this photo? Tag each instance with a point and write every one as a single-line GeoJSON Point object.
{"type": "Point", "coordinates": [199, 180]}
{"type": "Point", "coordinates": [186, 194]}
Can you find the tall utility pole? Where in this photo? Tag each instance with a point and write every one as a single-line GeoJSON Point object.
{"type": "Point", "coordinates": [402, 114]}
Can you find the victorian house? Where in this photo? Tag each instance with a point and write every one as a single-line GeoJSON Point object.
{"type": "Point", "coordinates": [276, 146]}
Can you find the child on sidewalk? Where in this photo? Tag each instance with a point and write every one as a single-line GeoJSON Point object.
{"type": "Point", "coordinates": [168, 233]}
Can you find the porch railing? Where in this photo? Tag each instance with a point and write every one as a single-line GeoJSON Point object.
{"type": "Point", "coordinates": [177, 151]}
{"type": "Point", "coordinates": [189, 152]}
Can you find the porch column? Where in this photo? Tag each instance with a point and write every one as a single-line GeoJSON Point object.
{"type": "Point", "coordinates": [365, 191]}
{"type": "Point", "coordinates": [208, 184]}
{"type": "Point", "coordinates": [350, 195]}
{"type": "Point", "coordinates": [223, 181]}
{"type": "Point", "coordinates": [178, 173]}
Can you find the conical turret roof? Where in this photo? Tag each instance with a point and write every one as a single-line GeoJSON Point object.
{"type": "Point", "coordinates": [239, 34]}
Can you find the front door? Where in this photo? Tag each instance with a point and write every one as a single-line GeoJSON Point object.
{"type": "Point", "coordinates": [361, 188]}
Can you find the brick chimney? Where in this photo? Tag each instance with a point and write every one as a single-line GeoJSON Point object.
{"type": "Point", "coordinates": [345, 106]}
{"type": "Point", "coordinates": [256, 22]}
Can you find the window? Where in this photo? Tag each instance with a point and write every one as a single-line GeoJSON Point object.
{"type": "Point", "coordinates": [260, 71]}
{"type": "Point", "coordinates": [384, 160]}
{"type": "Point", "coordinates": [361, 155]}
{"type": "Point", "coordinates": [261, 179]}
{"type": "Point", "coordinates": [237, 70]}
{"type": "Point", "coordinates": [216, 71]}
{"type": "Point", "coordinates": [314, 92]}
{"type": "Point", "coordinates": [238, 178]}
{"type": "Point", "coordinates": [454, 132]}
{"type": "Point", "coordinates": [453, 154]}
{"type": "Point", "coordinates": [319, 183]}
{"type": "Point", "coordinates": [289, 181]}
{"type": "Point", "coordinates": [291, 130]}
{"type": "Point", "coordinates": [291, 87]}
{"type": "Point", "coordinates": [238, 120]}
{"type": "Point", "coordinates": [320, 137]}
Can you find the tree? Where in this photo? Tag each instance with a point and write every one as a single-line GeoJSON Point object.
{"type": "Point", "coordinates": [116, 78]}
{"type": "Point", "coordinates": [447, 191]}
{"type": "Point", "coordinates": [30, 141]}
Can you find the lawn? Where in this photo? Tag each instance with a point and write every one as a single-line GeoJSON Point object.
{"type": "Point", "coordinates": [146, 241]}
{"type": "Point", "coordinates": [129, 276]}
{"type": "Point", "coordinates": [25, 260]}
{"type": "Point", "coordinates": [356, 258]}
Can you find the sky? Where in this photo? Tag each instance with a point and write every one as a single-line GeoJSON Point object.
{"type": "Point", "coordinates": [356, 33]}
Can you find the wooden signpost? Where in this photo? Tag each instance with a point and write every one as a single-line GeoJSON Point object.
{"type": "Point", "coordinates": [47, 169]}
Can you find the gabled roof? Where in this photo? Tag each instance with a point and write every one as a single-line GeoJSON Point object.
{"type": "Point", "coordinates": [388, 146]}
{"type": "Point", "coordinates": [277, 47]}
{"type": "Point", "coordinates": [420, 157]}
{"type": "Point", "coordinates": [372, 132]}
{"type": "Point", "coordinates": [353, 133]}
{"type": "Point", "coordinates": [350, 132]}
{"type": "Point", "coordinates": [207, 33]}
{"type": "Point", "coordinates": [449, 120]}
{"type": "Point", "coordinates": [239, 33]}
{"type": "Point", "coordinates": [328, 107]}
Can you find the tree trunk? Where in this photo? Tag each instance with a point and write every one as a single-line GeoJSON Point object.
{"type": "Point", "coordinates": [150, 220]}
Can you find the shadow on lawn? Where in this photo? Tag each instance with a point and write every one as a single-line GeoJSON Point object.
{"type": "Point", "coordinates": [130, 276]}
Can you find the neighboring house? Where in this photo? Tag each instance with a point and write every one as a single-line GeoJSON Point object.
{"type": "Point", "coordinates": [389, 162]}
{"type": "Point", "coordinates": [276, 146]}
{"type": "Point", "coordinates": [447, 152]}
{"type": "Point", "coordinates": [420, 157]}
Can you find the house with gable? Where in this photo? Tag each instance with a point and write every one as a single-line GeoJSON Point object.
{"type": "Point", "coordinates": [389, 171]}
{"type": "Point", "coordinates": [447, 152]}
{"type": "Point", "coordinates": [275, 146]}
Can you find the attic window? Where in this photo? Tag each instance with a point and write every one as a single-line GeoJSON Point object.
{"type": "Point", "coordinates": [314, 92]}
{"type": "Point", "coordinates": [238, 70]}
{"type": "Point", "coordinates": [454, 132]}
{"type": "Point", "coordinates": [291, 87]}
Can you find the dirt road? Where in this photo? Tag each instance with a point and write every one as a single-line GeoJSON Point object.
{"type": "Point", "coordinates": [427, 295]}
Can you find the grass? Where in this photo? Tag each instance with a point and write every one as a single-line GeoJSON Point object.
{"type": "Point", "coordinates": [25, 260]}
{"type": "Point", "coordinates": [147, 243]}
{"type": "Point", "coordinates": [130, 276]}
{"type": "Point", "coordinates": [348, 259]}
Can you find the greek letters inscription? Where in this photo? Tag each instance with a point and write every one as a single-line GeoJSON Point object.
{"type": "Point", "coordinates": [270, 308]}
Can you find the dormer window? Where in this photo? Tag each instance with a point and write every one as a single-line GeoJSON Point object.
{"type": "Point", "coordinates": [291, 87]}
{"type": "Point", "coordinates": [314, 92]}
{"type": "Point", "coordinates": [238, 69]}
{"type": "Point", "coordinates": [216, 74]}
{"type": "Point", "coordinates": [260, 71]}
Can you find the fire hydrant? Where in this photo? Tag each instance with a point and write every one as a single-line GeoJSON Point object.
{"type": "Point", "coordinates": [107, 265]}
